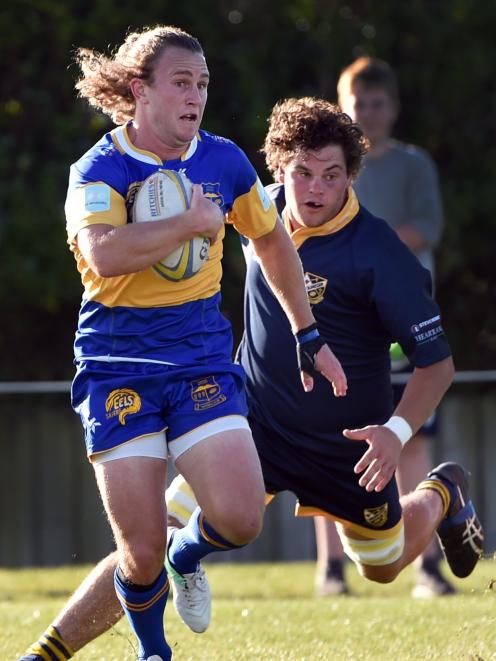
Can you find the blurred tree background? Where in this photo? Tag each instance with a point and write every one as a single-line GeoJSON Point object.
{"type": "Point", "coordinates": [258, 52]}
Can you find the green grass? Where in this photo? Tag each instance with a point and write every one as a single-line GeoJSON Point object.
{"type": "Point", "coordinates": [267, 612]}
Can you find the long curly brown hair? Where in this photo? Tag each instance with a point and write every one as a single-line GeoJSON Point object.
{"type": "Point", "coordinates": [309, 124]}
{"type": "Point", "coordinates": [105, 81]}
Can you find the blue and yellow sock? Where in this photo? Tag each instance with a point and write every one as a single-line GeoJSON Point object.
{"type": "Point", "coordinates": [144, 607]}
{"type": "Point", "coordinates": [190, 544]}
{"type": "Point", "coordinates": [50, 647]}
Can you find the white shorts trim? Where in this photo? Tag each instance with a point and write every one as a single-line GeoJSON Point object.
{"type": "Point", "coordinates": [379, 552]}
{"type": "Point", "coordinates": [153, 445]}
{"type": "Point", "coordinates": [181, 444]}
{"type": "Point", "coordinates": [157, 447]}
{"type": "Point", "coordinates": [124, 359]}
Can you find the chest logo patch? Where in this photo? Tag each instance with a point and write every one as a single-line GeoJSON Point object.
{"type": "Point", "coordinates": [316, 287]}
{"type": "Point", "coordinates": [212, 191]}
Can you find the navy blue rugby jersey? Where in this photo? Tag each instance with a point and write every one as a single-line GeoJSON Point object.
{"type": "Point", "coordinates": [143, 316]}
{"type": "Point", "coordinates": [366, 290]}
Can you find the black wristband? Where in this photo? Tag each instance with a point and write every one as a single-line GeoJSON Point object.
{"type": "Point", "coordinates": [301, 334]}
{"type": "Point", "coordinates": [308, 344]}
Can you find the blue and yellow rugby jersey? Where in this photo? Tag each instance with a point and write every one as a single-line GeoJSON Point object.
{"type": "Point", "coordinates": [142, 316]}
{"type": "Point", "coordinates": [366, 290]}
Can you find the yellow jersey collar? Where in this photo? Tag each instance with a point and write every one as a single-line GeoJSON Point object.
{"type": "Point", "coordinates": [121, 140]}
{"type": "Point", "coordinates": [346, 215]}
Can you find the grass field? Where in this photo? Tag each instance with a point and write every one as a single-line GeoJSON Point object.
{"type": "Point", "coordinates": [268, 613]}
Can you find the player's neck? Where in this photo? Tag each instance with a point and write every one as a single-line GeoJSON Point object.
{"type": "Point", "coordinates": [147, 141]}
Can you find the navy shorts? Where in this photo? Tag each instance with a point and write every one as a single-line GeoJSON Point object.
{"type": "Point", "coordinates": [324, 482]}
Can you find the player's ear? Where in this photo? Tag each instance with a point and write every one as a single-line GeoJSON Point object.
{"type": "Point", "coordinates": [138, 89]}
{"type": "Point", "coordinates": [280, 176]}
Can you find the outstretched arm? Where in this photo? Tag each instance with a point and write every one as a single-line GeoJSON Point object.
{"type": "Point", "coordinates": [422, 394]}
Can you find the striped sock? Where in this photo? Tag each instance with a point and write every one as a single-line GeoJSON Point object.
{"type": "Point", "coordinates": [442, 488]}
{"type": "Point", "coordinates": [50, 647]}
{"type": "Point", "coordinates": [144, 607]}
{"type": "Point", "coordinates": [196, 540]}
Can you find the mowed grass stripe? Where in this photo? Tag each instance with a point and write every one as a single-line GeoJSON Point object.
{"type": "Point", "coordinates": [268, 612]}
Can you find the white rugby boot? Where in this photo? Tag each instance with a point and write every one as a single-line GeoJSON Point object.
{"type": "Point", "coordinates": [191, 596]}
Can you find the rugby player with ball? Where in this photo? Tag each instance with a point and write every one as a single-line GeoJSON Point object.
{"type": "Point", "coordinates": [155, 376]}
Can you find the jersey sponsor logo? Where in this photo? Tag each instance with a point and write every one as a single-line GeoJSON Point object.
{"type": "Point", "coordinates": [315, 286]}
{"type": "Point", "coordinates": [428, 330]}
{"type": "Point", "coordinates": [97, 198]}
{"type": "Point", "coordinates": [206, 393]}
{"type": "Point", "coordinates": [376, 516]}
{"type": "Point", "coordinates": [416, 328]}
{"type": "Point", "coordinates": [122, 402]}
{"type": "Point", "coordinates": [212, 192]}
{"type": "Point", "coordinates": [262, 193]}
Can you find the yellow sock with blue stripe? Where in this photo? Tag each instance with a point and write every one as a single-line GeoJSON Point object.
{"type": "Point", "coordinates": [144, 607]}
{"type": "Point", "coordinates": [50, 647]}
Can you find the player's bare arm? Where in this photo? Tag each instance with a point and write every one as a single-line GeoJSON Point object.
{"type": "Point", "coordinates": [112, 251]}
{"type": "Point", "coordinates": [282, 269]}
{"type": "Point", "coordinates": [423, 393]}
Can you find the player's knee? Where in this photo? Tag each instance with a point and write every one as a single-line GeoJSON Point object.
{"type": "Point", "coordinates": [145, 558]}
{"type": "Point", "coordinates": [379, 573]}
{"type": "Point", "coordinates": [240, 525]}
{"type": "Point", "coordinates": [248, 527]}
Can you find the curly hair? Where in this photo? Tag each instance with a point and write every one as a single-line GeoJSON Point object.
{"type": "Point", "coordinates": [309, 124]}
{"type": "Point", "coordinates": [105, 81]}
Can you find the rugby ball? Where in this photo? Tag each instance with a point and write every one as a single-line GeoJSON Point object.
{"type": "Point", "coordinates": [164, 194]}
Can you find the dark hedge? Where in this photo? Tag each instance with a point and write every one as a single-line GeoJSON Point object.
{"type": "Point", "coordinates": [258, 52]}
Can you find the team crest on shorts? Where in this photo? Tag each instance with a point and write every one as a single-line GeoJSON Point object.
{"type": "Point", "coordinates": [206, 393]}
{"type": "Point", "coordinates": [315, 286]}
{"type": "Point", "coordinates": [122, 402]}
{"type": "Point", "coordinates": [376, 516]}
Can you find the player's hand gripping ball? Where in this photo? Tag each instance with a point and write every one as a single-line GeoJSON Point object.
{"type": "Point", "coordinates": [164, 194]}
